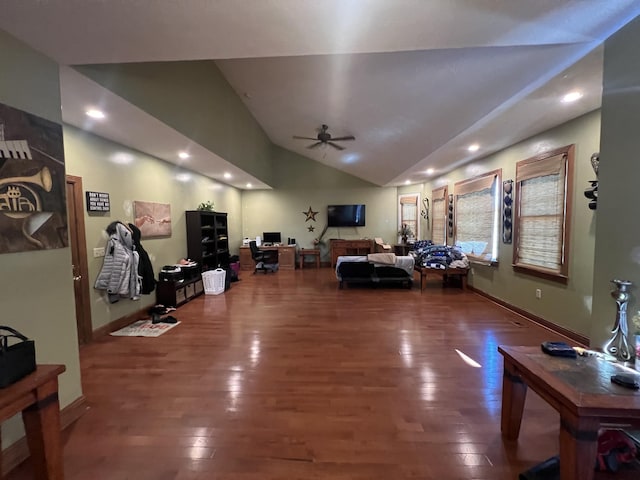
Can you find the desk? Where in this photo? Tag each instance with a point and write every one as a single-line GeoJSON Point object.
{"type": "Point", "coordinates": [36, 396]}
{"type": "Point", "coordinates": [312, 252]}
{"type": "Point", "coordinates": [286, 257]}
{"type": "Point", "coordinates": [579, 389]}
{"type": "Point", "coordinates": [461, 273]}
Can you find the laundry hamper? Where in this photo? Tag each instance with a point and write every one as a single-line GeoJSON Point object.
{"type": "Point", "coordinates": [214, 281]}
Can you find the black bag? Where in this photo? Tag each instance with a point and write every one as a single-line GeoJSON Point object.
{"type": "Point", "coordinates": [16, 360]}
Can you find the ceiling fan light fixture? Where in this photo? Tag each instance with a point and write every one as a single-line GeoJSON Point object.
{"type": "Point", "coordinates": [324, 138]}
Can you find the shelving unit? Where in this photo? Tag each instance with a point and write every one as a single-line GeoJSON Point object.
{"type": "Point", "coordinates": [174, 294]}
{"type": "Point", "coordinates": [207, 238]}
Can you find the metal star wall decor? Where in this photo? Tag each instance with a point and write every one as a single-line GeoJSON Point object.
{"type": "Point", "coordinates": [311, 215]}
{"type": "Point", "coordinates": [311, 228]}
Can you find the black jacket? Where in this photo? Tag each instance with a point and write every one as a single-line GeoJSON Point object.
{"type": "Point", "coordinates": [145, 268]}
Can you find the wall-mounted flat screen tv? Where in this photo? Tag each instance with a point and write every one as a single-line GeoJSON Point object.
{"type": "Point", "coordinates": [346, 215]}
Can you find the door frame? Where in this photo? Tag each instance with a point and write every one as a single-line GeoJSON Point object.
{"type": "Point", "coordinates": [81, 294]}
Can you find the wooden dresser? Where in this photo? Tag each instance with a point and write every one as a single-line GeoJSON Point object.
{"type": "Point", "coordinates": [349, 247]}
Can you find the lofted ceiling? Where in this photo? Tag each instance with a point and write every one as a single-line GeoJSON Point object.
{"type": "Point", "coordinates": [415, 81]}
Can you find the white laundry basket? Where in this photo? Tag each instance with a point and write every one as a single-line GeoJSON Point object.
{"type": "Point", "coordinates": [214, 281]}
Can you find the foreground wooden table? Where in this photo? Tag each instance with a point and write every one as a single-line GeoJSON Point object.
{"type": "Point", "coordinates": [579, 389]}
{"type": "Point", "coordinates": [36, 396]}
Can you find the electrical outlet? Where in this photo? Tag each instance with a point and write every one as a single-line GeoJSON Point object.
{"type": "Point", "coordinates": [538, 293]}
{"type": "Point", "coordinates": [98, 252]}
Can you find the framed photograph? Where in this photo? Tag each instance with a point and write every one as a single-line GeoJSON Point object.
{"type": "Point", "coordinates": [153, 219]}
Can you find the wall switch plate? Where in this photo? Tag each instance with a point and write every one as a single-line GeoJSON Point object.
{"type": "Point", "coordinates": [538, 293]}
{"type": "Point", "coordinates": [472, 271]}
{"type": "Point", "coordinates": [98, 252]}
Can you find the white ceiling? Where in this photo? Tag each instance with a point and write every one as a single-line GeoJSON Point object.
{"type": "Point", "coordinates": [415, 81]}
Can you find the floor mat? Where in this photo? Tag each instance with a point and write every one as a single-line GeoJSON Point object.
{"type": "Point", "coordinates": [144, 328]}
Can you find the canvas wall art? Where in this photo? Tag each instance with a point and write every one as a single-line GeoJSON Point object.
{"type": "Point", "coordinates": [33, 212]}
{"type": "Point", "coordinates": [153, 219]}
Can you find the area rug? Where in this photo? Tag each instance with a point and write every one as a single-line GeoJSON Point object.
{"type": "Point", "coordinates": [144, 328]}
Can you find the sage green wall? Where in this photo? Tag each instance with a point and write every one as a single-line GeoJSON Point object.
{"type": "Point", "coordinates": [303, 183]}
{"type": "Point", "coordinates": [617, 252]}
{"type": "Point", "coordinates": [36, 291]}
{"type": "Point", "coordinates": [128, 175]}
{"type": "Point", "coordinates": [196, 100]}
{"type": "Point", "coordinates": [566, 305]}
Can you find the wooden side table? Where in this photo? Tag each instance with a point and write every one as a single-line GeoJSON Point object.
{"type": "Point", "coordinates": [444, 273]}
{"type": "Point", "coordinates": [36, 396]}
{"type": "Point", "coordinates": [311, 252]}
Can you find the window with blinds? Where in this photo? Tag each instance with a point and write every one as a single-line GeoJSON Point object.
{"type": "Point", "coordinates": [477, 214]}
{"type": "Point", "coordinates": [542, 212]}
{"type": "Point", "coordinates": [408, 214]}
{"type": "Point", "coordinates": [439, 199]}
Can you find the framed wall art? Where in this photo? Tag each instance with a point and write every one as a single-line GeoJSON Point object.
{"type": "Point", "coordinates": [33, 212]}
{"type": "Point", "coordinates": [153, 219]}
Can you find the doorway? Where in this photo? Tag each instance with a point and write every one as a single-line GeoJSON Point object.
{"type": "Point", "coordinates": [79, 266]}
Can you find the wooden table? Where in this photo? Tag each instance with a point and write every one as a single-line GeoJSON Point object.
{"type": "Point", "coordinates": [402, 249]}
{"type": "Point", "coordinates": [461, 273]}
{"type": "Point", "coordinates": [579, 389]}
{"type": "Point", "coordinates": [36, 396]}
{"type": "Point", "coordinates": [312, 252]}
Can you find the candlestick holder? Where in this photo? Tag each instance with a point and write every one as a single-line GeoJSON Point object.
{"type": "Point", "coordinates": [618, 345]}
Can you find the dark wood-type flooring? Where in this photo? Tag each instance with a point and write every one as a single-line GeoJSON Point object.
{"type": "Point", "coordinates": [287, 377]}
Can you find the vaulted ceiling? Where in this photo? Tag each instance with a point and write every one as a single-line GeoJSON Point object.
{"type": "Point", "coordinates": [416, 82]}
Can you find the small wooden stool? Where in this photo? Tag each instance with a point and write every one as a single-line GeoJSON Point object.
{"type": "Point", "coordinates": [312, 252]}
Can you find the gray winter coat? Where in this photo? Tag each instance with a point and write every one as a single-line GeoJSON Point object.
{"type": "Point", "coordinates": [119, 274]}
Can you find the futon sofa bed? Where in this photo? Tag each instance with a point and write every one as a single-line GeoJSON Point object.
{"type": "Point", "coordinates": [375, 269]}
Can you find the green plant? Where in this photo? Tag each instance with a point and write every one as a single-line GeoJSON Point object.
{"type": "Point", "coordinates": [405, 231]}
{"type": "Point", "coordinates": [206, 206]}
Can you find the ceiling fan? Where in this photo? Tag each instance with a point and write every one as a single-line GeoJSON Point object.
{"type": "Point", "coordinates": [325, 137]}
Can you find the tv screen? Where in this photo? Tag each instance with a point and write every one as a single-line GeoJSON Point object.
{"type": "Point", "coordinates": [345, 215]}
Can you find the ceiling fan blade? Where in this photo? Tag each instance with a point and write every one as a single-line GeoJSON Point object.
{"type": "Point", "coordinates": [314, 145]}
{"type": "Point", "coordinates": [335, 145]}
{"type": "Point", "coordinates": [348, 137]}
{"type": "Point", "coordinates": [304, 138]}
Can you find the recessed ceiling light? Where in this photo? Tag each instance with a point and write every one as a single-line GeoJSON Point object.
{"type": "Point", "coordinates": [474, 148]}
{"type": "Point", "coordinates": [572, 97]}
{"type": "Point", "coordinates": [227, 175]}
{"type": "Point", "coordinates": [407, 182]}
{"type": "Point", "coordinates": [183, 155]}
{"type": "Point", "coordinates": [95, 113]}
{"type": "Point", "coordinates": [249, 185]}
{"type": "Point", "coordinates": [430, 171]}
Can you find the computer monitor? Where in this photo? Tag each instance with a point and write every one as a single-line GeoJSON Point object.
{"type": "Point", "coordinates": [271, 237]}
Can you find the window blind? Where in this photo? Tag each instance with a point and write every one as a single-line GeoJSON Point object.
{"type": "Point", "coordinates": [542, 200]}
{"type": "Point", "coordinates": [476, 221]}
{"type": "Point", "coordinates": [409, 213]}
{"type": "Point", "coordinates": [439, 216]}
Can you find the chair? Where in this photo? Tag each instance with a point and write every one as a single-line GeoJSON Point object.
{"type": "Point", "coordinates": [266, 260]}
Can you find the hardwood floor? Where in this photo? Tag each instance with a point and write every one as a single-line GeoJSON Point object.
{"type": "Point", "coordinates": [287, 377]}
